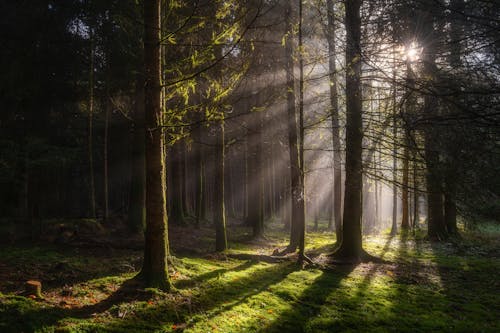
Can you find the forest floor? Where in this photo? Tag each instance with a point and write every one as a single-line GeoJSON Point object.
{"type": "Point", "coordinates": [420, 286]}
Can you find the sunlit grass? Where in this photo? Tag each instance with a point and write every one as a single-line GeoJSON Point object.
{"type": "Point", "coordinates": [421, 287]}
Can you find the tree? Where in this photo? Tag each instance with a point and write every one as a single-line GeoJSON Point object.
{"type": "Point", "coordinates": [337, 168]}
{"type": "Point", "coordinates": [351, 246]}
{"type": "Point", "coordinates": [296, 188]}
{"type": "Point", "coordinates": [219, 204]}
{"type": "Point", "coordinates": [154, 268]}
{"type": "Point", "coordinates": [436, 224]}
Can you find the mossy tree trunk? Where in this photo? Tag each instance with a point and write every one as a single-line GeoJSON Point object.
{"type": "Point", "coordinates": [154, 269]}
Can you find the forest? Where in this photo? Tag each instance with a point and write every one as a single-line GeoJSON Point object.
{"type": "Point", "coordinates": [249, 166]}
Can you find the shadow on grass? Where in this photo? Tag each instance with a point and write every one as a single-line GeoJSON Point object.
{"type": "Point", "coordinates": [469, 286]}
{"type": "Point", "coordinates": [438, 295]}
{"type": "Point", "coordinates": [224, 297]}
{"type": "Point", "coordinates": [57, 266]}
{"type": "Point", "coordinates": [213, 297]}
{"type": "Point", "coordinates": [20, 314]}
{"type": "Point", "coordinates": [182, 284]}
{"type": "Point", "coordinates": [310, 302]}
{"type": "Point", "coordinates": [417, 301]}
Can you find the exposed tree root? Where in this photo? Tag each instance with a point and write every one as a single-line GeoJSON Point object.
{"type": "Point", "coordinates": [259, 257]}
{"type": "Point", "coordinates": [341, 258]}
{"type": "Point", "coordinates": [287, 250]}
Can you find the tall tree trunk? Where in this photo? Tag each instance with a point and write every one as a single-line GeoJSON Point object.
{"type": "Point", "coordinates": [90, 127]}
{"type": "Point", "coordinates": [435, 214]}
{"type": "Point", "coordinates": [183, 183]}
{"type": "Point", "coordinates": [105, 152]}
{"type": "Point", "coordinates": [410, 102]}
{"type": "Point", "coordinates": [451, 176]}
{"type": "Point", "coordinates": [198, 166]}
{"type": "Point", "coordinates": [450, 203]}
{"type": "Point", "coordinates": [394, 228]}
{"type": "Point", "coordinates": [246, 191]}
{"type": "Point", "coordinates": [177, 196]}
{"type": "Point", "coordinates": [137, 202]}
{"type": "Point", "coordinates": [302, 219]}
{"type": "Point", "coordinates": [415, 193]}
{"type": "Point", "coordinates": [351, 245]}
{"type": "Point", "coordinates": [405, 224]}
{"type": "Point", "coordinates": [256, 199]}
{"type": "Point", "coordinates": [154, 269]}
{"type": "Point", "coordinates": [337, 167]}
{"type": "Point", "coordinates": [297, 205]}
{"type": "Point", "coordinates": [218, 198]}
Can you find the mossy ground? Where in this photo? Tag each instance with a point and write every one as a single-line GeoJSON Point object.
{"type": "Point", "coordinates": [421, 287]}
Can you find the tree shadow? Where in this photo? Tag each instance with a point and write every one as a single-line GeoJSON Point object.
{"type": "Point", "coordinates": [242, 289]}
{"type": "Point", "coordinates": [363, 286]}
{"type": "Point", "coordinates": [310, 302]}
{"type": "Point", "coordinates": [213, 298]}
{"type": "Point", "coordinates": [58, 266]}
{"type": "Point", "coordinates": [20, 316]}
{"type": "Point", "coordinates": [469, 286]}
{"type": "Point", "coordinates": [182, 284]}
{"type": "Point", "coordinates": [432, 292]}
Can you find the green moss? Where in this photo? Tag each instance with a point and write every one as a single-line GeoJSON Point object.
{"type": "Point", "coordinates": [422, 287]}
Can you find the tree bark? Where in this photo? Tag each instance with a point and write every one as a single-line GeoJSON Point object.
{"type": "Point", "coordinates": [337, 160]}
{"type": "Point", "coordinates": [256, 174]}
{"type": "Point", "coordinates": [177, 196]}
{"type": "Point", "coordinates": [218, 199]}
{"type": "Point", "coordinates": [296, 195]}
{"type": "Point", "coordinates": [302, 203]}
{"type": "Point", "coordinates": [198, 166]}
{"type": "Point", "coordinates": [154, 269]}
{"type": "Point", "coordinates": [351, 245]}
{"type": "Point", "coordinates": [435, 214]}
{"type": "Point", "coordinates": [137, 209]}
{"type": "Point", "coordinates": [90, 138]}
{"type": "Point", "coordinates": [394, 227]}
{"type": "Point", "coordinates": [405, 224]}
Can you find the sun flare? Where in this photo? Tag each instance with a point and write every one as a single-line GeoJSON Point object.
{"type": "Point", "coordinates": [412, 52]}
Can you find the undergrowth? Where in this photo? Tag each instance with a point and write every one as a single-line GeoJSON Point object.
{"type": "Point", "coordinates": [421, 287]}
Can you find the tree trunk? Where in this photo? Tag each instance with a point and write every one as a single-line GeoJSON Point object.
{"type": "Point", "coordinates": [247, 181]}
{"type": "Point", "coordinates": [90, 138]}
{"type": "Point", "coordinates": [177, 196]}
{"type": "Point", "coordinates": [337, 167]}
{"type": "Point", "coordinates": [137, 209]}
{"type": "Point", "coordinates": [405, 224]}
{"type": "Point", "coordinates": [301, 205]}
{"type": "Point", "coordinates": [297, 214]}
{"type": "Point", "coordinates": [198, 166]}
{"type": "Point", "coordinates": [218, 198]}
{"type": "Point", "coordinates": [154, 269]}
{"type": "Point", "coordinates": [435, 215]}
{"type": "Point", "coordinates": [351, 245]}
{"type": "Point", "coordinates": [450, 204]}
{"type": "Point", "coordinates": [105, 153]}
{"type": "Point", "coordinates": [256, 174]}
{"type": "Point", "coordinates": [415, 193]}
{"type": "Point", "coordinates": [394, 228]}
{"type": "Point", "coordinates": [184, 186]}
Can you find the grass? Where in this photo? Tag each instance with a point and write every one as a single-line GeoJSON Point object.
{"type": "Point", "coordinates": [422, 287]}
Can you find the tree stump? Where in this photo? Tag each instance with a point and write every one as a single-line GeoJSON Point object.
{"type": "Point", "coordinates": [34, 288]}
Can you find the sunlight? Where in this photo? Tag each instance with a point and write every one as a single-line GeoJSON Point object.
{"type": "Point", "coordinates": [412, 52]}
